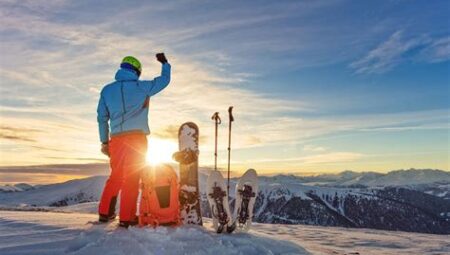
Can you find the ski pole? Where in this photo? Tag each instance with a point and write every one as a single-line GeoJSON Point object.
{"type": "Point", "coordinates": [230, 115]}
{"type": "Point", "coordinates": [217, 120]}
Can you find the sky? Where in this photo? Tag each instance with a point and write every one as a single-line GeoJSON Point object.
{"type": "Point", "coordinates": [317, 86]}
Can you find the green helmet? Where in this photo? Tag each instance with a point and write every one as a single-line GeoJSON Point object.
{"type": "Point", "coordinates": [130, 61]}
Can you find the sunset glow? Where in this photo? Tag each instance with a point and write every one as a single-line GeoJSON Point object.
{"type": "Point", "coordinates": [160, 151]}
{"type": "Point", "coordinates": [352, 91]}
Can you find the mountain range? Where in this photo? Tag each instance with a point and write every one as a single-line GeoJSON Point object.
{"type": "Point", "coordinates": [408, 200]}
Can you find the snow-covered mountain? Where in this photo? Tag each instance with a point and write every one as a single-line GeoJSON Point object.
{"type": "Point", "coordinates": [400, 178]}
{"type": "Point", "coordinates": [384, 208]}
{"type": "Point", "coordinates": [371, 179]}
{"type": "Point", "coordinates": [60, 194]}
{"type": "Point", "coordinates": [16, 187]}
{"type": "Point", "coordinates": [420, 207]}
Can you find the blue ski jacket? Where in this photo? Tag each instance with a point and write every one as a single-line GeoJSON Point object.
{"type": "Point", "coordinates": [125, 102]}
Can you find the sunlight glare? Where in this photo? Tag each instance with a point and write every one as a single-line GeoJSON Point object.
{"type": "Point", "coordinates": [160, 151]}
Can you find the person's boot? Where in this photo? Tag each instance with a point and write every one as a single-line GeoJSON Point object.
{"type": "Point", "coordinates": [105, 218]}
{"type": "Point", "coordinates": [126, 224]}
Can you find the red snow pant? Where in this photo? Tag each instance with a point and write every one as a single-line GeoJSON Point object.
{"type": "Point", "coordinates": [127, 160]}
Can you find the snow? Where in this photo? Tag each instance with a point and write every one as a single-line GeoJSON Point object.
{"type": "Point", "coordinates": [69, 233]}
{"type": "Point", "coordinates": [335, 240]}
{"type": "Point", "coordinates": [72, 192]}
{"type": "Point", "coordinates": [42, 229]}
{"type": "Point", "coordinates": [394, 178]}
{"type": "Point", "coordinates": [370, 179]}
{"type": "Point", "coordinates": [16, 187]}
{"type": "Point", "coordinates": [187, 138]}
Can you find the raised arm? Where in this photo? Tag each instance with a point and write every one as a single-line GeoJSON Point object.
{"type": "Point", "coordinates": [102, 119]}
{"type": "Point", "coordinates": [159, 83]}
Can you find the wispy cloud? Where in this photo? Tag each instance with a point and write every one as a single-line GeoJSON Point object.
{"type": "Point", "coordinates": [388, 54]}
{"type": "Point", "coordinates": [71, 169]}
{"type": "Point", "coordinates": [437, 51]}
{"type": "Point", "coordinates": [323, 158]}
{"type": "Point", "coordinates": [18, 134]}
{"type": "Point", "coordinates": [168, 132]}
{"type": "Point", "coordinates": [16, 138]}
{"type": "Point", "coordinates": [313, 148]}
{"type": "Point", "coordinates": [398, 49]}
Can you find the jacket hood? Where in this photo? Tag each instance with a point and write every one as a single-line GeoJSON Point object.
{"type": "Point", "coordinates": [126, 75]}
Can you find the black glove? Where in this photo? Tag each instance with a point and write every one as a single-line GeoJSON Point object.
{"type": "Point", "coordinates": [161, 58]}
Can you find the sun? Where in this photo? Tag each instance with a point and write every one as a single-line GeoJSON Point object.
{"type": "Point", "coordinates": [160, 151]}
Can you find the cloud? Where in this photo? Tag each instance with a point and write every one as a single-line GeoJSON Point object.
{"type": "Point", "coordinates": [18, 138]}
{"type": "Point", "coordinates": [398, 49]}
{"type": "Point", "coordinates": [313, 148]}
{"type": "Point", "coordinates": [437, 51]}
{"type": "Point", "coordinates": [18, 134]}
{"type": "Point", "coordinates": [388, 54]}
{"type": "Point", "coordinates": [16, 129]}
{"type": "Point", "coordinates": [253, 140]}
{"type": "Point", "coordinates": [47, 148]}
{"type": "Point", "coordinates": [91, 160]}
{"type": "Point", "coordinates": [37, 178]}
{"type": "Point", "coordinates": [333, 157]}
{"type": "Point", "coordinates": [68, 169]}
{"type": "Point", "coordinates": [323, 158]}
{"type": "Point", "coordinates": [168, 132]}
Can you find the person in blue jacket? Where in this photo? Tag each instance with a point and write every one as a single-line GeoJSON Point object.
{"type": "Point", "coordinates": [122, 116]}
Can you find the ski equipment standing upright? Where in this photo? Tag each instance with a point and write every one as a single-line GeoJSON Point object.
{"type": "Point", "coordinates": [187, 156]}
{"type": "Point", "coordinates": [217, 193]}
{"type": "Point", "coordinates": [217, 121]}
{"type": "Point", "coordinates": [231, 119]}
{"type": "Point", "coordinates": [246, 192]}
{"type": "Point", "coordinates": [218, 202]}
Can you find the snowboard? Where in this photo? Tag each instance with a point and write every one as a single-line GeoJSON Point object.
{"type": "Point", "coordinates": [246, 192]}
{"type": "Point", "coordinates": [216, 191]}
{"type": "Point", "coordinates": [187, 157]}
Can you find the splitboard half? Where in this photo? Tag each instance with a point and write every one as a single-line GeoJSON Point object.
{"type": "Point", "coordinates": [216, 192]}
{"type": "Point", "coordinates": [246, 192]}
{"type": "Point", "coordinates": [187, 156]}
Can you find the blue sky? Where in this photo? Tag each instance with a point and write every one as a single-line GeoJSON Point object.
{"type": "Point", "coordinates": [317, 86]}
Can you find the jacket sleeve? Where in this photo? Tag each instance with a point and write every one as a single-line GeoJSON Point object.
{"type": "Point", "coordinates": [159, 83]}
{"type": "Point", "coordinates": [102, 119]}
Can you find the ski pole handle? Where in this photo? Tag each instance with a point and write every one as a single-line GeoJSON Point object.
{"type": "Point", "coordinates": [230, 112]}
{"type": "Point", "coordinates": [216, 118]}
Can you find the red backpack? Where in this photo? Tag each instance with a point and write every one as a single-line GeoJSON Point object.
{"type": "Point", "coordinates": [159, 199]}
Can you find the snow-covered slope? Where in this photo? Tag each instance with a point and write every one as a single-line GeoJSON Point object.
{"type": "Point", "coordinates": [68, 233]}
{"type": "Point", "coordinates": [60, 194]}
{"type": "Point", "coordinates": [15, 188]}
{"type": "Point", "coordinates": [47, 233]}
{"type": "Point", "coordinates": [381, 208]}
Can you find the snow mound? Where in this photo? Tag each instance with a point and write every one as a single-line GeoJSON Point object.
{"type": "Point", "coordinates": [182, 240]}
{"type": "Point", "coordinates": [68, 233]}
